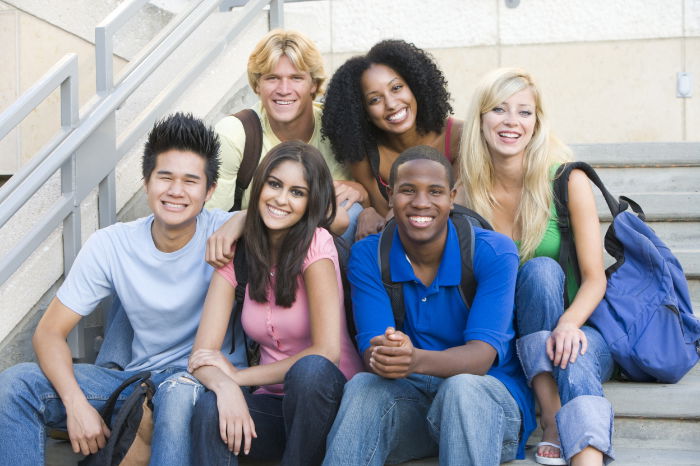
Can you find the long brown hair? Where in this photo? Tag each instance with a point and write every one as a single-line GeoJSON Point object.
{"type": "Point", "coordinates": [320, 212]}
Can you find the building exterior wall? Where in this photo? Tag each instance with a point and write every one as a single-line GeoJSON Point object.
{"type": "Point", "coordinates": [607, 69]}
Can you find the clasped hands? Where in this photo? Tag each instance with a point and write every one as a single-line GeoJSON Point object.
{"type": "Point", "coordinates": [392, 354]}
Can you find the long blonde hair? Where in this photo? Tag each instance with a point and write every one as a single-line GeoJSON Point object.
{"type": "Point", "coordinates": [543, 151]}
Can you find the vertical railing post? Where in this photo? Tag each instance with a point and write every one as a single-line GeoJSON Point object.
{"type": "Point", "coordinates": [104, 76]}
{"type": "Point", "coordinates": [71, 224]}
{"type": "Point", "coordinates": [104, 73]}
{"type": "Point", "coordinates": [276, 19]}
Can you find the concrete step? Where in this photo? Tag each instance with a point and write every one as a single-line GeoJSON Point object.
{"type": "Point", "coordinates": [657, 401]}
{"type": "Point", "coordinates": [624, 456]}
{"type": "Point", "coordinates": [658, 206]}
{"type": "Point", "coordinates": [678, 236]}
{"type": "Point", "coordinates": [60, 454]}
{"type": "Point", "coordinates": [666, 179]}
{"type": "Point", "coordinates": [644, 154]}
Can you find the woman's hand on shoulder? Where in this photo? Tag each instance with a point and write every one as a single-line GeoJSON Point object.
{"type": "Point", "coordinates": [236, 427]}
{"type": "Point", "coordinates": [565, 343]}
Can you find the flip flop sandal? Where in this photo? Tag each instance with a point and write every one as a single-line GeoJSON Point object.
{"type": "Point", "coordinates": [547, 460]}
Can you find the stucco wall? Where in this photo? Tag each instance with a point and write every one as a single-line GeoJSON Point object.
{"type": "Point", "coordinates": [607, 69]}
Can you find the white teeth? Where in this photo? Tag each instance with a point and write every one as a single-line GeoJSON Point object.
{"type": "Point", "coordinates": [507, 134]}
{"type": "Point", "coordinates": [277, 212]}
{"type": "Point", "coordinates": [397, 116]}
{"type": "Point", "coordinates": [421, 219]}
{"type": "Point", "coordinates": [284, 102]}
{"type": "Point", "coordinates": [173, 206]}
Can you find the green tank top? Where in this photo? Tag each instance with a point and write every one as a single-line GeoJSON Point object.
{"type": "Point", "coordinates": [550, 244]}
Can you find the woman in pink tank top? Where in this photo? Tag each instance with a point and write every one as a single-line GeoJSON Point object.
{"type": "Point", "coordinates": [379, 105]}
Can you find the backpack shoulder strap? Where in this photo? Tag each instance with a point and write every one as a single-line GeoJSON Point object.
{"type": "Point", "coordinates": [465, 233]}
{"type": "Point", "coordinates": [393, 289]}
{"type": "Point", "coordinates": [240, 269]}
{"type": "Point", "coordinates": [567, 250]}
{"type": "Point", "coordinates": [373, 157]}
{"type": "Point", "coordinates": [251, 153]}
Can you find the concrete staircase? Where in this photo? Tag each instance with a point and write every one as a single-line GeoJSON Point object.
{"type": "Point", "coordinates": [655, 424]}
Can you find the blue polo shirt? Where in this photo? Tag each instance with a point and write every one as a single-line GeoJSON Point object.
{"type": "Point", "coordinates": [436, 318]}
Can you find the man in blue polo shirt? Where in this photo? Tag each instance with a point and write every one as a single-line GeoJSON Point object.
{"type": "Point", "coordinates": [450, 382]}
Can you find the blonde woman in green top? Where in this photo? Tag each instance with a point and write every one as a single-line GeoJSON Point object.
{"type": "Point", "coordinates": [508, 158]}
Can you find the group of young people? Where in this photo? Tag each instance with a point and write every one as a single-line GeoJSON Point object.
{"type": "Point", "coordinates": [451, 378]}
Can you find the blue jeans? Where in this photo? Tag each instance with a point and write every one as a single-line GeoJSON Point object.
{"type": "Point", "coordinates": [353, 212]}
{"type": "Point", "coordinates": [466, 419]}
{"type": "Point", "coordinates": [586, 417]}
{"type": "Point", "coordinates": [30, 404]}
{"type": "Point", "coordinates": [292, 427]}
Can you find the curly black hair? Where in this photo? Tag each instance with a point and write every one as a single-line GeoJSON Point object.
{"type": "Point", "coordinates": [345, 122]}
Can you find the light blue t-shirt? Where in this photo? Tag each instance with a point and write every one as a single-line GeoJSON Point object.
{"type": "Point", "coordinates": [161, 293]}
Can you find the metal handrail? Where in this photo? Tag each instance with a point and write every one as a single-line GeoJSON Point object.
{"type": "Point", "coordinates": [63, 74]}
{"type": "Point", "coordinates": [72, 150]}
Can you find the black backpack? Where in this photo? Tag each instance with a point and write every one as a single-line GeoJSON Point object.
{"type": "Point", "coordinates": [240, 267]}
{"type": "Point", "coordinates": [132, 427]}
{"type": "Point", "coordinates": [463, 219]}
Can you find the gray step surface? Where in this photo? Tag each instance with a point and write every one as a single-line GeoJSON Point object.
{"type": "Point", "coordinates": [683, 206]}
{"type": "Point", "coordinates": [639, 154]}
{"type": "Point", "coordinates": [636, 179]}
{"type": "Point", "coordinates": [60, 454]}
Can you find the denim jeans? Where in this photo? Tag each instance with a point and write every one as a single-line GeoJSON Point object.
{"type": "Point", "coordinates": [292, 427]}
{"type": "Point", "coordinates": [353, 212]}
{"type": "Point", "coordinates": [586, 417]}
{"type": "Point", "coordinates": [30, 404]}
{"type": "Point", "coordinates": [466, 419]}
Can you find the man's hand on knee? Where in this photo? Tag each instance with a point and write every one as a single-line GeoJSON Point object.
{"type": "Point", "coordinates": [86, 428]}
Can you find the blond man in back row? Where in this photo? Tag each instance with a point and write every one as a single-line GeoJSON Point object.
{"type": "Point", "coordinates": [286, 71]}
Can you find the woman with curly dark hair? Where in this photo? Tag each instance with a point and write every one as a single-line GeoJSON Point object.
{"type": "Point", "coordinates": [379, 105]}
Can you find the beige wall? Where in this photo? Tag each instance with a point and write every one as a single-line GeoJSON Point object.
{"type": "Point", "coordinates": [30, 47]}
{"type": "Point", "coordinates": [594, 92]}
{"type": "Point", "coordinates": [607, 69]}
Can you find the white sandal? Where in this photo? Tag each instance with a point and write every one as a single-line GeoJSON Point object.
{"type": "Point", "coordinates": [547, 460]}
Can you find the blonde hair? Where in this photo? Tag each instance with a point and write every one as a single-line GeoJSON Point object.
{"type": "Point", "coordinates": [542, 152]}
{"type": "Point", "coordinates": [300, 50]}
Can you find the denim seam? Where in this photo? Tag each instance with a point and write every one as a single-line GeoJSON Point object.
{"type": "Point", "coordinates": [381, 421]}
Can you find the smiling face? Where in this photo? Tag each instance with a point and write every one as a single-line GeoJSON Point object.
{"type": "Point", "coordinates": [176, 191]}
{"type": "Point", "coordinates": [389, 102]}
{"type": "Point", "coordinates": [284, 197]}
{"type": "Point", "coordinates": [286, 93]}
{"type": "Point", "coordinates": [422, 199]}
{"type": "Point", "coordinates": [508, 127]}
